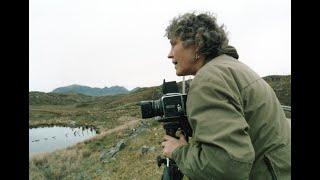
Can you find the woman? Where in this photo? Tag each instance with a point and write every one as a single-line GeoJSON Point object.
{"type": "Point", "coordinates": [239, 128]}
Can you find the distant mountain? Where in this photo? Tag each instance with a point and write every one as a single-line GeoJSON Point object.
{"type": "Point", "coordinates": [114, 90]}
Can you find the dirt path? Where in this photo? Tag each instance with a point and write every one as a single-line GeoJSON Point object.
{"type": "Point", "coordinates": [121, 127]}
{"type": "Point", "coordinates": [129, 124]}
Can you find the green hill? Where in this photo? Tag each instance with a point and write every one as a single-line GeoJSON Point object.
{"type": "Point", "coordinates": [281, 84]}
{"type": "Point", "coordinates": [41, 98]}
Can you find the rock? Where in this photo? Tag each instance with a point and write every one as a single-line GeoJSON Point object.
{"type": "Point", "coordinates": [98, 171]}
{"type": "Point", "coordinates": [106, 156]}
{"type": "Point", "coordinates": [120, 145]}
{"type": "Point", "coordinates": [102, 154]}
{"type": "Point", "coordinates": [112, 152]}
{"type": "Point", "coordinates": [152, 149]}
{"type": "Point", "coordinates": [145, 149]}
{"type": "Point", "coordinates": [105, 161]}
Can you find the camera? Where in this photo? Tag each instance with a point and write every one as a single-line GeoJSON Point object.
{"type": "Point", "coordinates": [171, 110]}
{"type": "Point", "coordinates": [171, 105]}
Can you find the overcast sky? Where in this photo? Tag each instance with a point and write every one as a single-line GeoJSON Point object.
{"type": "Point", "coordinates": [102, 43]}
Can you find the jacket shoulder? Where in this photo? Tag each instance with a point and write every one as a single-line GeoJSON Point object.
{"type": "Point", "coordinates": [228, 69]}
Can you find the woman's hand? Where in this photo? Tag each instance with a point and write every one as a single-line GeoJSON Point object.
{"type": "Point", "coordinates": [170, 144]}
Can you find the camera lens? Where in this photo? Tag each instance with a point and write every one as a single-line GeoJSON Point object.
{"type": "Point", "coordinates": [157, 108]}
{"type": "Point", "coordinates": [151, 109]}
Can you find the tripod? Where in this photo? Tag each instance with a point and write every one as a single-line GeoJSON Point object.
{"type": "Point", "coordinates": [171, 170]}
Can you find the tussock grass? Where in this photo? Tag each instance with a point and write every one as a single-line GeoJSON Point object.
{"type": "Point", "coordinates": [131, 163]}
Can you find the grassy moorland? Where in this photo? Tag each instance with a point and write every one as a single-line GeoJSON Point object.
{"type": "Point", "coordinates": [91, 159]}
{"type": "Point", "coordinates": [80, 110]}
{"type": "Point", "coordinates": [85, 160]}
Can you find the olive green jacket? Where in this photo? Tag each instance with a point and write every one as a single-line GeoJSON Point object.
{"type": "Point", "coordinates": [239, 127]}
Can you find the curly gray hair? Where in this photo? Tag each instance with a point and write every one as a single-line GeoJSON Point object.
{"type": "Point", "coordinates": [201, 30]}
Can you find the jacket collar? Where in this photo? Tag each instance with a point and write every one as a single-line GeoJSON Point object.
{"type": "Point", "coordinates": [230, 51]}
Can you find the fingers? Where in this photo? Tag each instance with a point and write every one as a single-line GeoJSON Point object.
{"type": "Point", "coordinates": [167, 137]}
{"type": "Point", "coordinates": [170, 138]}
{"type": "Point", "coordinates": [163, 144]}
{"type": "Point", "coordinates": [182, 136]}
{"type": "Point", "coordinates": [164, 151]}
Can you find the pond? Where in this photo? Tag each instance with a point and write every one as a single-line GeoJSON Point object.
{"type": "Point", "coordinates": [48, 139]}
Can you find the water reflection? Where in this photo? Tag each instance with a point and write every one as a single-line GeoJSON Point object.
{"type": "Point", "coordinates": [48, 139]}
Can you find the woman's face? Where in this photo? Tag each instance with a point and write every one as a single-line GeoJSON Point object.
{"type": "Point", "coordinates": [182, 58]}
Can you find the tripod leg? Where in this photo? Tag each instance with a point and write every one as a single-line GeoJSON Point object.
{"type": "Point", "coordinates": [166, 174]}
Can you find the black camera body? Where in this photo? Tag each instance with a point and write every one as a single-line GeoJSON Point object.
{"type": "Point", "coordinates": [170, 109]}
{"type": "Point", "coordinates": [170, 105]}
